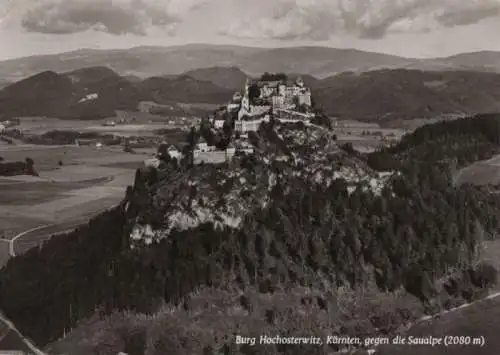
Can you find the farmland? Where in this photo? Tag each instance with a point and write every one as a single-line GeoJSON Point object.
{"type": "Point", "coordinates": [139, 124]}
{"type": "Point", "coordinates": [366, 137]}
{"type": "Point", "coordinates": [74, 184]}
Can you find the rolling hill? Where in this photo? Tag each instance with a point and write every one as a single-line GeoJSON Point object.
{"type": "Point", "coordinates": [226, 77]}
{"type": "Point", "coordinates": [157, 61]}
{"type": "Point", "coordinates": [96, 92]}
{"type": "Point", "coordinates": [378, 95]}
{"type": "Point", "coordinates": [389, 94]}
{"type": "Point", "coordinates": [320, 62]}
{"type": "Point", "coordinates": [184, 88]}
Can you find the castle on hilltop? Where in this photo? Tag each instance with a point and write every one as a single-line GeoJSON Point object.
{"type": "Point", "coordinates": [272, 96]}
{"type": "Point", "coordinates": [262, 98]}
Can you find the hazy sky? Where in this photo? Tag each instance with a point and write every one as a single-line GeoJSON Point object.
{"type": "Point", "coordinates": [412, 28]}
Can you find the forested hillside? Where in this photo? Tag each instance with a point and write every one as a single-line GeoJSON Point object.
{"type": "Point", "coordinates": [317, 250]}
{"type": "Point", "coordinates": [96, 92]}
{"type": "Point", "coordinates": [383, 95]}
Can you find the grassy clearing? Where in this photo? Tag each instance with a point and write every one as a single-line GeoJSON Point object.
{"type": "Point", "coordinates": [47, 158]}
{"type": "Point", "coordinates": [40, 125]}
{"type": "Point", "coordinates": [480, 319]}
{"type": "Point", "coordinates": [11, 225]}
{"type": "Point", "coordinates": [66, 220]}
{"type": "Point", "coordinates": [480, 173]}
{"type": "Point", "coordinates": [20, 193]}
{"type": "Point", "coordinates": [70, 207]}
{"type": "Point", "coordinates": [62, 194]}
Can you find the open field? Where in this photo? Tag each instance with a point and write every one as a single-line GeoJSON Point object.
{"type": "Point", "coordinates": [481, 319]}
{"type": "Point", "coordinates": [47, 158]}
{"type": "Point", "coordinates": [142, 125]}
{"type": "Point", "coordinates": [19, 193]}
{"type": "Point", "coordinates": [40, 125]}
{"type": "Point", "coordinates": [85, 212]}
{"type": "Point", "coordinates": [143, 130]}
{"type": "Point", "coordinates": [480, 173]}
{"type": "Point", "coordinates": [11, 224]}
{"type": "Point", "coordinates": [366, 137]}
{"type": "Point", "coordinates": [62, 197]}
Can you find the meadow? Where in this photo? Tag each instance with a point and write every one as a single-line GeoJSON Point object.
{"type": "Point", "coordinates": [480, 173]}
{"type": "Point", "coordinates": [366, 137]}
{"type": "Point", "coordinates": [143, 125]}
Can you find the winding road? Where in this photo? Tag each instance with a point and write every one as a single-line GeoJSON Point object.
{"type": "Point", "coordinates": [35, 237]}
{"type": "Point", "coordinates": [13, 240]}
{"type": "Point", "coordinates": [13, 342]}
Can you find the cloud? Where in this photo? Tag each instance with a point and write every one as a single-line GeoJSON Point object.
{"type": "Point", "coordinates": [287, 20]}
{"type": "Point", "coordinates": [458, 17]}
{"type": "Point", "coordinates": [319, 20]}
{"type": "Point", "coordinates": [112, 16]}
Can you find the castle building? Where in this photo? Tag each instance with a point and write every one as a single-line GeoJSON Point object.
{"type": "Point", "coordinates": [274, 96]}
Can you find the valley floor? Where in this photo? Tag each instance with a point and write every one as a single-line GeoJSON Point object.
{"type": "Point", "coordinates": [63, 196]}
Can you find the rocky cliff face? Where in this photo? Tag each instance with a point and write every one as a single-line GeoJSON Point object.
{"type": "Point", "coordinates": [288, 158]}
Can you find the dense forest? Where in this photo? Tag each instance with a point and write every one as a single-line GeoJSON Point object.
{"type": "Point", "coordinates": [419, 229]}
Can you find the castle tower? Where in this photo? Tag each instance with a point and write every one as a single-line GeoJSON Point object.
{"type": "Point", "coordinates": [247, 86]}
{"type": "Point", "coordinates": [299, 82]}
{"type": "Point", "coordinates": [245, 100]}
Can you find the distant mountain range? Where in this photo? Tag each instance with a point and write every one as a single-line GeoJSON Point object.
{"type": "Point", "coordinates": [377, 95]}
{"type": "Point", "coordinates": [320, 62]}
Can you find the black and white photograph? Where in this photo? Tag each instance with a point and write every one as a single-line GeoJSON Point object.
{"type": "Point", "coordinates": [235, 177]}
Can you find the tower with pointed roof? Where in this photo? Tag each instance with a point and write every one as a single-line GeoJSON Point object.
{"type": "Point", "coordinates": [299, 82]}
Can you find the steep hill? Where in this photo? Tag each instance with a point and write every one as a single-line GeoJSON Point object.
{"type": "Point", "coordinates": [300, 238]}
{"type": "Point", "coordinates": [89, 75]}
{"type": "Point", "coordinates": [43, 94]}
{"type": "Point", "coordinates": [225, 77]}
{"type": "Point", "coordinates": [234, 78]}
{"type": "Point", "coordinates": [385, 94]}
{"type": "Point", "coordinates": [85, 94]}
{"type": "Point", "coordinates": [185, 89]}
